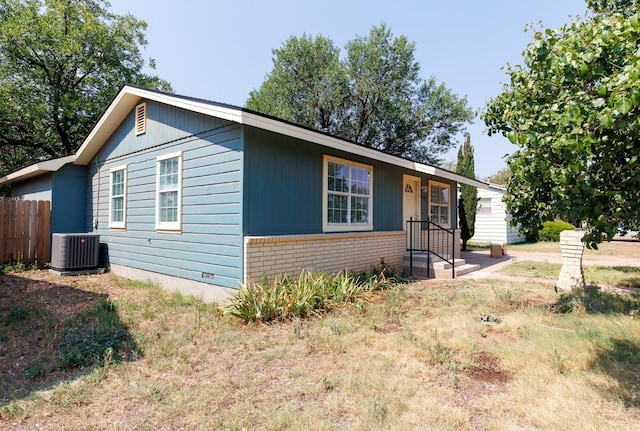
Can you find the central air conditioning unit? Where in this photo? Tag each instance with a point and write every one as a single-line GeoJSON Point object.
{"type": "Point", "coordinates": [73, 253]}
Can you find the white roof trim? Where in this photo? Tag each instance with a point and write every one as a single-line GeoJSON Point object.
{"type": "Point", "coordinates": [36, 169]}
{"type": "Point", "coordinates": [498, 187]}
{"type": "Point", "coordinates": [130, 96]}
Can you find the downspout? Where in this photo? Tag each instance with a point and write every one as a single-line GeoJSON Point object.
{"type": "Point", "coordinates": [94, 222]}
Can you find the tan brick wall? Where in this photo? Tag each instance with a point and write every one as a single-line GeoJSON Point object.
{"type": "Point", "coordinates": [571, 275]}
{"type": "Point", "coordinates": [331, 253]}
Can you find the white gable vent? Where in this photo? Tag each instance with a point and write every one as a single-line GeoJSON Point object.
{"type": "Point", "coordinates": [141, 119]}
{"type": "Point", "coordinates": [73, 252]}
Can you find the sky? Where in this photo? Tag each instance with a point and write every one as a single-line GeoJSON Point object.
{"type": "Point", "coordinates": [221, 50]}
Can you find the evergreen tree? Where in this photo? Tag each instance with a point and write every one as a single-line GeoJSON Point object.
{"type": "Point", "coordinates": [468, 194]}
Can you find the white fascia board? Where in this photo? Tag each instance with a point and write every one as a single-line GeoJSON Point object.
{"type": "Point", "coordinates": [497, 187]}
{"type": "Point", "coordinates": [461, 179]}
{"type": "Point", "coordinates": [331, 142]}
{"type": "Point", "coordinates": [129, 96]}
{"type": "Point", "coordinates": [126, 100]}
{"type": "Point", "coordinates": [36, 169]}
{"type": "Point", "coordinates": [106, 125]}
{"type": "Point", "coordinates": [302, 133]}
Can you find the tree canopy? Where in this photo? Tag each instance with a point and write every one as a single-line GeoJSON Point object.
{"type": "Point", "coordinates": [373, 96]}
{"type": "Point", "coordinates": [501, 177]}
{"type": "Point", "coordinates": [572, 111]}
{"type": "Point", "coordinates": [468, 194]}
{"type": "Point", "coordinates": [61, 63]}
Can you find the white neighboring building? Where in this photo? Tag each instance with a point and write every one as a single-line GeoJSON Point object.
{"type": "Point", "coordinates": [492, 220]}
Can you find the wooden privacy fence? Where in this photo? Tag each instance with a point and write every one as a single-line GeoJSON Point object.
{"type": "Point", "coordinates": [25, 231]}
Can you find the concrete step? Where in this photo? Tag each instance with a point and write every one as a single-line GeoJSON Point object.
{"type": "Point", "coordinates": [460, 270]}
{"type": "Point", "coordinates": [438, 268]}
{"type": "Point", "coordinates": [446, 265]}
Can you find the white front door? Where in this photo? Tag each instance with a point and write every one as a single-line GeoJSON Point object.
{"type": "Point", "coordinates": [411, 206]}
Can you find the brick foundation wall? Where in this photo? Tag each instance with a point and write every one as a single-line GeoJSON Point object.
{"type": "Point", "coordinates": [331, 253]}
{"type": "Point", "coordinates": [571, 276]}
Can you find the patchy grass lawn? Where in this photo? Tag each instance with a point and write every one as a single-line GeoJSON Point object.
{"type": "Point", "coordinates": [456, 355]}
{"type": "Point", "coordinates": [623, 276]}
{"type": "Point", "coordinates": [629, 249]}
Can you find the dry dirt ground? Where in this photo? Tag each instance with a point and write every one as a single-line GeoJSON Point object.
{"type": "Point", "coordinates": [42, 302]}
{"type": "Point", "coordinates": [35, 308]}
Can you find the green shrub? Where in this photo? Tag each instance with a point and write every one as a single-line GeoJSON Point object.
{"type": "Point", "coordinates": [551, 230]}
{"type": "Point", "coordinates": [309, 294]}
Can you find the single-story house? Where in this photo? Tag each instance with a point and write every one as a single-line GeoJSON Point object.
{"type": "Point", "coordinates": [201, 196]}
{"type": "Point", "coordinates": [492, 219]}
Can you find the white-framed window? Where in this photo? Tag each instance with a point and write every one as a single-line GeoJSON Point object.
{"type": "Point", "coordinates": [347, 198]}
{"type": "Point", "coordinates": [439, 200]}
{"type": "Point", "coordinates": [118, 197]}
{"type": "Point", "coordinates": [141, 119]}
{"type": "Point", "coordinates": [484, 206]}
{"type": "Point", "coordinates": [169, 192]}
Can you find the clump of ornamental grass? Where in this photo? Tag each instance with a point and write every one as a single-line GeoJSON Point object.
{"type": "Point", "coordinates": [311, 293]}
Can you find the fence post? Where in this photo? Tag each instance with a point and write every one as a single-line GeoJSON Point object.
{"type": "Point", "coordinates": [4, 226]}
{"type": "Point", "coordinates": [44, 231]}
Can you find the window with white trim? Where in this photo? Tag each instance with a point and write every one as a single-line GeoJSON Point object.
{"type": "Point", "coordinates": [347, 203]}
{"type": "Point", "coordinates": [439, 198]}
{"type": "Point", "coordinates": [118, 197]}
{"type": "Point", "coordinates": [484, 206]}
{"type": "Point", "coordinates": [141, 119]}
{"type": "Point", "coordinates": [169, 192]}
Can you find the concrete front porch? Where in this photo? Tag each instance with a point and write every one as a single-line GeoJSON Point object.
{"type": "Point", "coordinates": [428, 265]}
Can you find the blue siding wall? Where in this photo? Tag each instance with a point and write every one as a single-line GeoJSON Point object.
{"type": "Point", "coordinates": [283, 186]}
{"type": "Point", "coordinates": [68, 202]}
{"type": "Point", "coordinates": [210, 242]}
{"type": "Point", "coordinates": [33, 189]}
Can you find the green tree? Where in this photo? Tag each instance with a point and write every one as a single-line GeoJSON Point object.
{"type": "Point", "coordinates": [61, 63]}
{"type": "Point", "coordinates": [468, 201]}
{"type": "Point", "coordinates": [307, 85]}
{"type": "Point", "coordinates": [501, 177]}
{"type": "Point", "coordinates": [572, 111]}
{"type": "Point", "coordinates": [373, 96]}
{"type": "Point", "coordinates": [627, 7]}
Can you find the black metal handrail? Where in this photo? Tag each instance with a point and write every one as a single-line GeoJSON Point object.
{"type": "Point", "coordinates": [427, 236]}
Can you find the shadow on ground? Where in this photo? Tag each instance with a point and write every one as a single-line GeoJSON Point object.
{"type": "Point", "coordinates": [51, 332]}
{"type": "Point", "coordinates": [594, 300]}
{"type": "Point", "coordinates": [621, 361]}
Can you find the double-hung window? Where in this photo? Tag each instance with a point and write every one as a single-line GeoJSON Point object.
{"type": "Point", "coordinates": [118, 197]}
{"type": "Point", "coordinates": [169, 192]}
{"type": "Point", "coordinates": [439, 198]}
{"type": "Point", "coordinates": [347, 195]}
